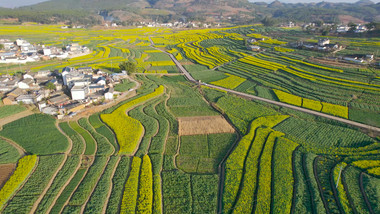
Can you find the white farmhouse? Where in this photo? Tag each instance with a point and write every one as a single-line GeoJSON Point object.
{"type": "Point", "coordinates": [109, 94]}
{"type": "Point", "coordinates": [47, 51]}
{"type": "Point", "coordinates": [25, 84]}
{"type": "Point", "coordinates": [26, 99]}
{"type": "Point", "coordinates": [79, 92]}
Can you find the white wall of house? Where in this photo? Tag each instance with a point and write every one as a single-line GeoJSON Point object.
{"type": "Point", "coordinates": [108, 96]}
{"type": "Point", "coordinates": [22, 85]}
{"type": "Point", "coordinates": [78, 94]}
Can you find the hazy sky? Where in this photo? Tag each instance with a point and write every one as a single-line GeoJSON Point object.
{"type": "Point", "coordinates": [308, 1]}
{"type": "Point", "coordinates": [18, 3]}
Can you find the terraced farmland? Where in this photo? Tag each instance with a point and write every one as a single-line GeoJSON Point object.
{"type": "Point", "coordinates": [140, 156]}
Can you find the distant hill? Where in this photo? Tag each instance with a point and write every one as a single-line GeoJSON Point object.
{"type": "Point", "coordinates": [233, 11]}
{"type": "Point", "coordinates": [87, 4]}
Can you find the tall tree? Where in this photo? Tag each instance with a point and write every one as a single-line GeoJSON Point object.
{"type": "Point", "coordinates": [128, 66]}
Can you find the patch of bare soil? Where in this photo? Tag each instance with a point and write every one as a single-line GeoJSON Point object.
{"type": "Point", "coordinates": [6, 172]}
{"type": "Point", "coordinates": [336, 63]}
{"type": "Point", "coordinates": [345, 19]}
{"type": "Point", "coordinates": [204, 125]}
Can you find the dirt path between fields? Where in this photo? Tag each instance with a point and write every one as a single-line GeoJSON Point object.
{"type": "Point", "coordinates": [93, 189]}
{"type": "Point", "coordinates": [67, 137]}
{"type": "Point", "coordinates": [14, 117]}
{"type": "Point", "coordinates": [111, 186]}
{"type": "Point", "coordinates": [21, 186]}
{"type": "Point", "coordinates": [365, 197]}
{"type": "Point", "coordinates": [20, 150]}
{"type": "Point", "coordinates": [6, 172]}
{"type": "Point", "coordinates": [36, 203]}
{"type": "Point", "coordinates": [94, 130]}
{"type": "Point", "coordinates": [63, 188]}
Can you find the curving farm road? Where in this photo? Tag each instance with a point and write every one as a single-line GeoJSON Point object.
{"type": "Point", "coordinates": [249, 96]}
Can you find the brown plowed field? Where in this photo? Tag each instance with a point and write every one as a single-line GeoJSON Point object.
{"type": "Point", "coordinates": [204, 125]}
{"type": "Point", "coordinates": [6, 171]}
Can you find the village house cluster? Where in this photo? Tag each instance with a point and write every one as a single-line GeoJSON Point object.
{"type": "Point", "coordinates": [22, 51]}
{"type": "Point", "coordinates": [322, 45]}
{"type": "Point", "coordinates": [178, 25]}
{"type": "Point", "coordinates": [60, 93]}
{"type": "Point", "coordinates": [356, 28]}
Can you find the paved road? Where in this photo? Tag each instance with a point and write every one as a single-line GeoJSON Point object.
{"type": "Point", "coordinates": [249, 96]}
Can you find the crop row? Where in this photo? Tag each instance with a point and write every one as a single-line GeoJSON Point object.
{"type": "Point", "coordinates": [119, 122]}
{"type": "Point", "coordinates": [77, 142]}
{"type": "Point", "coordinates": [230, 82]}
{"type": "Point", "coordinates": [67, 192]}
{"type": "Point", "coordinates": [210, 57]}
{"type": "Point", "coordinates": [103, 145]}
{"type": "Point", "coordinates": [323, 171]}
{"type": "Point", "coordinates": [236, 161]}
{"type": "Point", "coordinates": [342, 194]}
{"type": "Point", "coordinates": [90, 142]}
{"type": "Point", "coordinates": [281, 49]}
{"type": "Point", "coordinates": [88, 183]}
{"type": "Point", "coordinates": [323, 78]}
{"type": "Point", "coordinates": [102, 129]}
{"type": "Point", "coordinates": [283, 181]}
{"type": "Point", "coordinates": [251, 176]}
{"type": "Point", "coordinates": [24, 199]}
{"type": "Point", "coordinates": [150, 126]}
{"type": "Point", "coordinates": [145, 190]}
{"type": "Point", "coordinates": [118, 182]}
{"type": "Point", "coordinates": [350, 178]}
{"type": "Point", "coordinates": [312, 65]}
{"type": "Point", "coordinates": [63, 175]}
{"type": "Point", "coordinates": [24, 167]}
{"type": "Point", "coordinates": [264, 187]}
{"type": "Point", "coordinates": [241, 111]}
{"type": "Point", "coordinates": [100, 194]}
{"type": "Point", "coordinates": [9, 154]}
{"type": "Point", "coordinates": [176, 189]}
{"type": "Point", "coordinates": [128, 203]}
{"type": "Point", "coordinates": [333, 109]}
{"type": "Point", "coordinates": [330, 138]}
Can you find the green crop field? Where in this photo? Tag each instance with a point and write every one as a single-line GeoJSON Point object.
{"type": "Point", "coordinates": [23, 131]}
{"type": "Point", "coordinates": [6, 111]}
{"type": "Point", "coordinates": [133, 158]}
{"type": "Point", "coordinates": [8, 154]}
